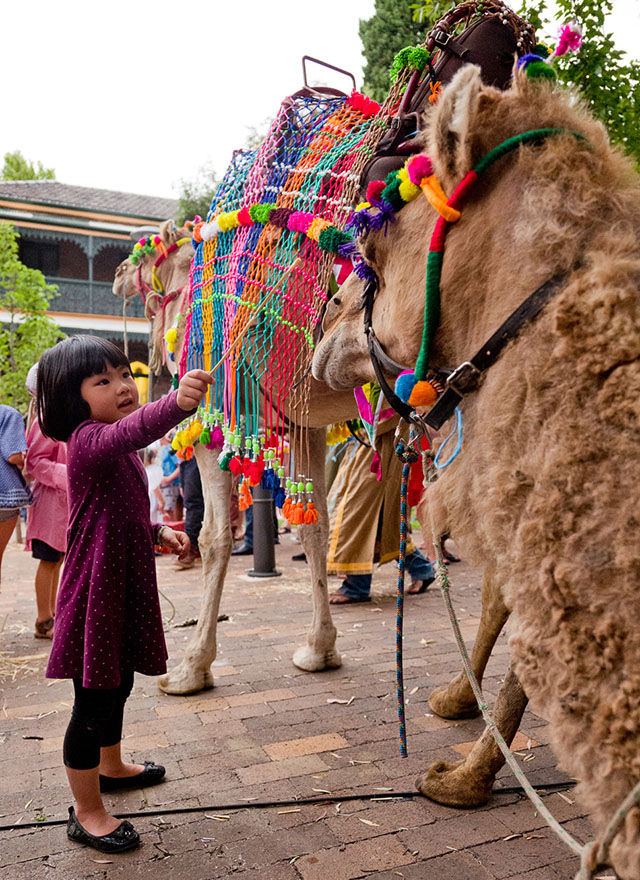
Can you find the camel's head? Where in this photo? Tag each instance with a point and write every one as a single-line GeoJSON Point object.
{"type": "Point", "coordinates": [125, 284]}
{"type": "Point", "coordinates": [468, 121]}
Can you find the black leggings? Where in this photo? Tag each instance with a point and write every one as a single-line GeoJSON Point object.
{"type": "Point", "coordinates": [96, 721]}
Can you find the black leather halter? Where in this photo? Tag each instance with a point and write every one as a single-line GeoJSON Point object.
{"type": "Point", "coordinates": [379, 358]}
{"type": "Point", "coordinates": [468, 376]}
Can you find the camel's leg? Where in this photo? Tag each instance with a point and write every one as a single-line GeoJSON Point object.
{"type": "Point", "coordinates": [457, 700]}
{"type": "Point", "coordinates": [468, 783]}
{"type": "Point", "coordinates": [319, 651]}
{"type": "Point", "coordinates": [194, 673]}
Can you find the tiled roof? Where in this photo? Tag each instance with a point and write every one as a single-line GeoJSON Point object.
{"type": "Point", "coordinates": [104, 201]}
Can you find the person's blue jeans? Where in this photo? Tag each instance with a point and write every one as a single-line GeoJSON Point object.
{"type": "Point", "coordinates": [358, 586]}
{"type": "Point", "coordinates": [193, 500]}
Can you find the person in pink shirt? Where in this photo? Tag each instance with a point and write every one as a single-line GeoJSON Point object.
{"type": "Point", "coordinates": [46, 464]}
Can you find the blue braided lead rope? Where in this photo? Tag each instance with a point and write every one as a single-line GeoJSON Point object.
{"type": "Point", "coordinates": [407, 454]}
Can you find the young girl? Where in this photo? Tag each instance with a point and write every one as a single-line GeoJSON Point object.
{"type": "Point", "coordinates": [108, 622]}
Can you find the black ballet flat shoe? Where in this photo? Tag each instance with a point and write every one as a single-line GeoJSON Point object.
{"type": "Point", "coordinates": [124, 837]}
{"type": "Point", "coordinates": [151, 775]}
{"type": "Point", "coordinates": [299, 557]}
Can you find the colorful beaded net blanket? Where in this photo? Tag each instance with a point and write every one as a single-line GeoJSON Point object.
{"type": "Point", "coordinates": [260, 277]}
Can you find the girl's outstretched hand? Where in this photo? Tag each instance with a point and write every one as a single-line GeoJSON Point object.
{"type": "Point", "coordinates": [192, 388]}
{"type": "Point", "coordinates": [178, 542]}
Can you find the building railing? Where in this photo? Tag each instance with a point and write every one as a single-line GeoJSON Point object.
{"type": "Point", "coordinates": [90, 298]}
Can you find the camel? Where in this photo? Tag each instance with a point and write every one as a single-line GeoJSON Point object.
{"type": "Point", "coordinates": [544, 491]}
{"type": "Point", "coordinates": [325, 406]}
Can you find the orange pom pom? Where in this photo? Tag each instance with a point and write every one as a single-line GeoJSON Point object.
{"type": "Point", "coordinates": [244, 496]}
{"type": "Point", "coordinates": [286, 507]}
{"type": "Point", "coordinates": [423, 394]}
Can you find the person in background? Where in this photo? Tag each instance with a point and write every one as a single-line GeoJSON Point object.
{"type": "Point", "coordinates": [14, 493]}
{"type": "Point", "coordinates": [193, 505]}
{"type": "Point", "coordinates": [365, 521]}
{"type": "Point", "coordinates": [154, 478]}
{"type": "Point", "coordinates": [170, 483]}
{"type": "Point", "coordinates": [46, 466]}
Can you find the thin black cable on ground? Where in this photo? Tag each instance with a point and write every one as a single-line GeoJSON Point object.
{"type": "Point", "coordinates": [292, 802]}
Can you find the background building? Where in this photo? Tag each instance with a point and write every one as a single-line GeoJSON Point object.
{"type": "Point", "coordinates": [77, 236]}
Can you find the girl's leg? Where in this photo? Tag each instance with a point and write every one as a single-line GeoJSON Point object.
{"type": "Point", "coordinates": [47, 577]}
{"type": "Point", "coordinates": [91, 711]}
{"type": "Point", "coordinates": [6, 530]}
{"type": "Point", "coordinates": [111, 763]}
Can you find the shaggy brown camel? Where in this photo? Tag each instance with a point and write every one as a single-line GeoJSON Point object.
{"type": "Point", "coordinates": [325, 406]}
{"type": "Point", "coordinates": [544, 492]}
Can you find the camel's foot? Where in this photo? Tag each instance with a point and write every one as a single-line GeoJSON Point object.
{"type": "Point", "coordinates": [455, 785]}
{"type": "Point", "coordinates": [310, 659]}
{"type": "Point", "coordinates": [185, 680]}
{"type": "Point", "coordinates": [453, 705]}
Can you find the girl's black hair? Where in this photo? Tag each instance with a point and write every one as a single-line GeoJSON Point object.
{"type": "Point", "coordinates": [61, 371]}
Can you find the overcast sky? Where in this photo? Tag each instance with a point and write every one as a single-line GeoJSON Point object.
{"type": "Point", "coordinates": [135, 96]}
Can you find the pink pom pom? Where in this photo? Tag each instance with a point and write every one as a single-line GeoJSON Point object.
{"type": "Point", "coordinates": [244, 218]}
{"type": "Point", "coordinates": [142, 242]}
{"type": "Point", "coordinates": [156, 239]}
{"type": "Point", "coordinates": [570, 38]}
{"type": "Point", "coordinates": [418, 168]}
{"type": "Point", "coordinates": [300, 221]}
{"type": "Point", "coordinates": [374, 190]}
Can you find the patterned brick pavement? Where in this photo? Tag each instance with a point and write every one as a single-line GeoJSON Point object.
{"type": "Point", "coordinates": [270, 732]}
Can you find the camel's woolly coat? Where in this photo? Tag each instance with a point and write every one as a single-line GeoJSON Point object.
{"type": "Point", "coordinates": [545, 491]}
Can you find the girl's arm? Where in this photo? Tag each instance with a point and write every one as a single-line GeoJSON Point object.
{"type": "Point", "coordinates": [17, 459]}
{"type": "Point", "coordinates": [98, 441]}
{"type": "Point", "coordinates": [41, 463]}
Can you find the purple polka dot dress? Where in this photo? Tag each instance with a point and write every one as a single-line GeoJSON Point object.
{"type": "Point", "coordinates": [108, 611]}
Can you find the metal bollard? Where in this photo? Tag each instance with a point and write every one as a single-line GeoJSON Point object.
{"type": "Point", "coordinates": [264, 556]}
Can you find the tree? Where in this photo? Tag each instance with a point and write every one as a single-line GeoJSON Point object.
{"type": "Point", "coordinates": [16, 167]}
{"type": "Point", "coordinates": [197, 193]}
{"type": "Point", "coordinates": [391, 28]}
{"type": "Point", "coordinates": [25, 296]}
{"type": "Point", "coordinates": [604, 76]}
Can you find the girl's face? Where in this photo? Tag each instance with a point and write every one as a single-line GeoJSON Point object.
{"type": "Point", "coordinates": [111, 395]}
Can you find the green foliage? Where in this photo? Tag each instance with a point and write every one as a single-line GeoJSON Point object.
{"type": "Point", "coordinates": [196, 195]}
{"type": "Point", "coordinates": [26, 333]}
{"type": "Point", "coordinates": [16, 167]}
{"type": "Point", "coordinates": [606, 78]}
{"type": "Point", "coordinates": [391, 28]}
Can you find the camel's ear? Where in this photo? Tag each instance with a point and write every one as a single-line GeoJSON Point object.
{"type": "Point", "coordinates": [168, 233]}
{"type": "Point", "coordinates": [452, 142]}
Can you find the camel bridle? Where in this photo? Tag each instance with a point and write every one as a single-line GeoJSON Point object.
{"type": "Point", "coordinates": [468, 375]}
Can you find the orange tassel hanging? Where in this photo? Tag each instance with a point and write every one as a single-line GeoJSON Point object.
{"type": "Point", "coordinates": [286, 507]}
{"type": "Point", "coordinates": [311, 515]}
{"type": "Point", "coordinates": [244, 496]}
{"type": "Point", "coordinates": [297, 514]}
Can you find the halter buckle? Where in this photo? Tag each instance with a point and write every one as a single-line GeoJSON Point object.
{"type": "Point", "coordinates": [464, 378]}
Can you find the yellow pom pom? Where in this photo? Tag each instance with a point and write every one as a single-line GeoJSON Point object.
{"type": "Point", "coordinates": [403, 174]}
{"type": "Point", "coordinates": [423, 394]}
{"type": "Point", "coordinates": [408, 191]}
{"type": "Point", "coordinates": [317, 225]}
{"type": "Point", "coordinates": [175, 445]}
{"type": "Point", "coordinates": [171, 335]}
{"type": "Point", "coordinates": [361, 206]}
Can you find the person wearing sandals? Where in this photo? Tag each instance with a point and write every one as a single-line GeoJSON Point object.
{"type": "Point", "coordinates": [14, 493]}
{"type": "Point", "coordinates": [108, 622]}
{"type": "Point", "coordinates": [46, 466]}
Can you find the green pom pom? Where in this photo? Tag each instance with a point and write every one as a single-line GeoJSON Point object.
{"type": "Point", "coordinates": [175, 382]}
{"type": "Point", "coordinates": [540, 70]}
{"type": "Point", "coordinates": [391, 192]}
{"type": "Point", "coordinates": [541, 50]}
{"type": "Point", "coordinates": [418, 58]}
{"type": "Point", "coordinates": [331, 238]}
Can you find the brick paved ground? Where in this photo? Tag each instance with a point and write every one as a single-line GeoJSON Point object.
{"type": "Point", "coordinates": [268, 731]}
